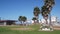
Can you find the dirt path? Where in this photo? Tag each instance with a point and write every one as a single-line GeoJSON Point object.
{"type": "Point", "coordinates": [56, 27]}
{"type": "Point", "coordinates": [21, 28]}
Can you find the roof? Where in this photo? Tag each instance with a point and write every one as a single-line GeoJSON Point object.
{"type": "Point", "coordinates": [8, 20]}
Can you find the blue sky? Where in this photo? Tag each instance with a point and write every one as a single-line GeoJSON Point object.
{"type": "Point", "coordinates": [12, 9]}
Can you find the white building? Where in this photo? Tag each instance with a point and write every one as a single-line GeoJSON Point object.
{"type": "Point", "coordinates": [53, 19]}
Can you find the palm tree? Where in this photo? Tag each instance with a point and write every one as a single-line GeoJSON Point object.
{"type": "Point", "coordinates": [49, 4]}
{"type": "Point", "coordinates": [22, 19]}
{"type": "Point", "coordinates": [34, 19]}
{"type": "Point", "coordinates": [36, 13]}
{"type": "Point", "coordinates": [45, 13]}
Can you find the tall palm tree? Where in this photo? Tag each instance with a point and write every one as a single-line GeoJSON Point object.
{"type": "Point", "coordinates": [49, 4]}
{"type": "Point", "coordinates": [45, 13]}
{"type": "Point", "coordinates": [36, 13]}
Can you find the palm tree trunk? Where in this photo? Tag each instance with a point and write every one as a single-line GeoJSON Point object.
{"type": "Point", "coordinates": [50, 19]}
{"type": "Point", "coordinates": [23, 23]}
{"type": "Point", "coordinates": [20, 22]}
{"type": "Point", "coordinates": [34, 21]}
{"type": "Point", "coordinates": [46, 21]}
{"type": "Point", "coordinates": [37, 19]}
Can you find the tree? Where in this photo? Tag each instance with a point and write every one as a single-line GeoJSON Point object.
{"type": "Point", "coordinates": [49, 4]}
{"type": "Point", "coordinates": [22, 19]}
{"type": "Point", "coordinates": [46, 9]}
{"type": "Point", "coordinates": [36, 13]}
{"type": "Point", "coordinates": [34, 19]}
{"type": "Point", "coordinates": [45, 13]}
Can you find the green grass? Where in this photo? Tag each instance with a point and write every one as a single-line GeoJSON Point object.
{"type": "Point", "coordinates": [6, 30]}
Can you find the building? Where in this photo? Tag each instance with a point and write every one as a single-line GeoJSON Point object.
{"type": "Point", "coordinates": [7, 22]}
{"type": "Point", "coordinates": [53, 19]}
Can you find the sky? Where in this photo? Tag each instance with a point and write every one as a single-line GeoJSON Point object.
{"type": "Point", "coordinates": [12, 9]}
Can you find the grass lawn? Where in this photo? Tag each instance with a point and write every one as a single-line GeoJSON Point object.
{"type": "Point", "coordinates": [35, 28]}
